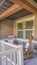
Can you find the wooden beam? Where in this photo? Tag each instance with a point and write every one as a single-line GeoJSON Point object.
{"type": "Point", "coordinates": [9, 11]}
{"type": "Point", "coordinates": [25, 5]}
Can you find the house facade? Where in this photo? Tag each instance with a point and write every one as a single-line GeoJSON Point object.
{"type": "Point", "coordinates": [22, 28]}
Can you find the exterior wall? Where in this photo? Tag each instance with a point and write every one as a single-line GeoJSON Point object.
{"type": "Point", "coordinates": [14, 28]}
{"type": "Point", "coordinates": [10, 27]}
{"type": "Point", "coordinates": [6, 28]}
{"type": "Point", "coordinates": [22, 20]}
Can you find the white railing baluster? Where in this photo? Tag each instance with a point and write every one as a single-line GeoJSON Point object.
{"type": "Point", "coordinates": [11, 57]}
{"type": "Point", "coordinates": [16, 54]}
{"type": "Point", "coordinates": [21, 55]}
{"type": "Point", "coordinates": [3, 60]}
{"type": "Point", "coordinates": [2, 46]}
{"type": "Point", "coordinates": [14, 57]}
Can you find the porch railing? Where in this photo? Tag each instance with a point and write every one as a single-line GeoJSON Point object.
{"type": "Point", "coordinates": [11, 54]}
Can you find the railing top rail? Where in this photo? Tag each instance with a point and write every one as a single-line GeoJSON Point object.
{"type": "Point", "coordinates": [12, 45]}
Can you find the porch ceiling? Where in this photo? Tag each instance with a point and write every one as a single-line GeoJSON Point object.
{"type": "Point", "coordinates": [4, 5]}
{"type": "Point", "coordinates": [35, 1]}
{"type": "Point", "coordinates": [18, 8]}
{"type": "Point", "coordinates": [19, 14]}
{"type": "Point", "coordinates": [29, 5]}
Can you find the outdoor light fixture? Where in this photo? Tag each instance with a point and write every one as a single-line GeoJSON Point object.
{"type": "Point", "coordinates": [2, 1]}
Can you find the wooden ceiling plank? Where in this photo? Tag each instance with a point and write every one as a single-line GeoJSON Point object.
{"type": "Point", "coordinates": [4, 7]}
{"type": "Point", "coordinates": [27, 7]}
{"type": "Point", "coordinates": [7, 6]}
{"type": "Point", "coordinates": [6, 3]}
{"type": "Point", "coordinates": [10, 11]}
{"type": "Point", "coordinates": [1, 9]}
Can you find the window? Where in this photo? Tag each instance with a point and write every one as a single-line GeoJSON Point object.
{"type": "Point", "coordinates": [20, 34]}
{"type": "Point", "coordinates": [28, 29]}
{"type": "Point", "coordinates": [20, 30]}
{"type": "Point", "coordinates": [28, 34]}
{"type": "Point", "coordinates": [25, 27]}
{"type": "Point", "coordinates": [20, 26]}
{"type": "Point", "coordinates": [29, 25]}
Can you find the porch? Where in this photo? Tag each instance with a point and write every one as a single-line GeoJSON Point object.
{"type": "Point", "coordinates": [17, 18]}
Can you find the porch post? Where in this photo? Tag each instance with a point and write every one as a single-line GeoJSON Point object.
{"type": "Point", "coordinates": [35, 27]}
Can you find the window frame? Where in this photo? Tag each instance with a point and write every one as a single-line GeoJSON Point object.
{"type": "Point", "coordinates": [18, 29]}
{"type": "Point", "coordinates": [23, 20]}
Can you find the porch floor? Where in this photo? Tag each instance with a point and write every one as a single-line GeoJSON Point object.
{"type": "Point", "coordinates": [32, 61]}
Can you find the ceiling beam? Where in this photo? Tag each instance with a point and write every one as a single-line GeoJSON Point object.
{"type": "Point", "coordinates": [25, 5]}
{"type": "Point", "coordinates": [9, 11]}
